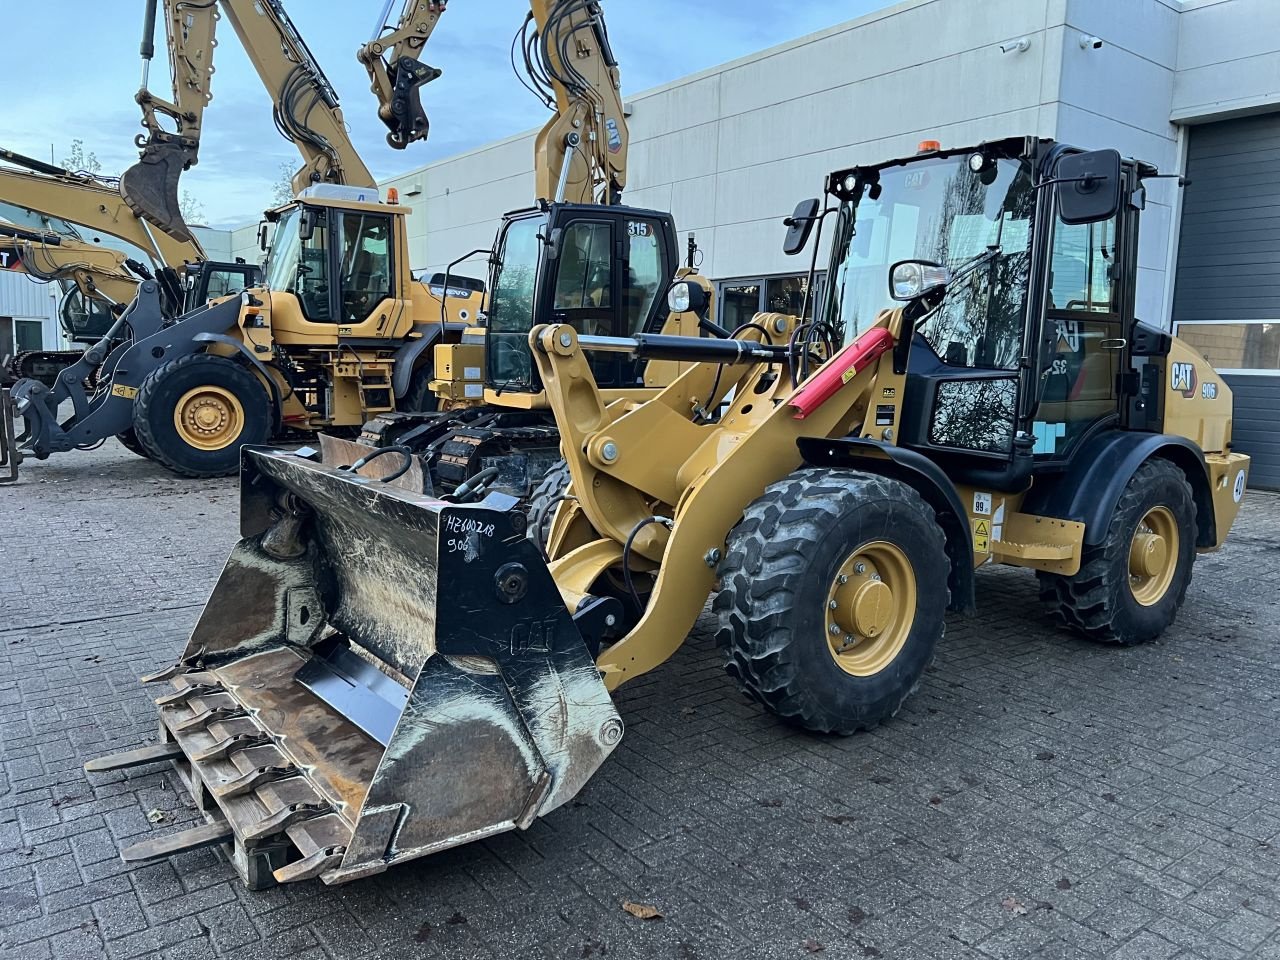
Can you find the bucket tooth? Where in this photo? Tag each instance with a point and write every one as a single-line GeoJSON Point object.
{"type": "Point", "coordinates": [168, 673]}
{"type": "Point", "coordinates": [210, 715]}
{"type": "Point", "coordinates": [257, 777]}
{"type": "Point", "coordinates": [187, 692]}
{"type": "Point", "coordinates": [310, 867]}
{"type": "Point", "coordinates": [286, 817]}
{"type": "Point", "coordinates": [232, 744]}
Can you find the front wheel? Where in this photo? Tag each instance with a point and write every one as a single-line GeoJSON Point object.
{"type": "Point", "coordinates": [193, 414]}
{"type": "Point", "coordinates": [1129, 588]}
{"type": "Point", "coordinates": [832, 599]}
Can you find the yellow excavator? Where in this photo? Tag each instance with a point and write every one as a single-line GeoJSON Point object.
{"type": "Point", "coordinates": [317, 347]}
{"type": "Point", "coordinates": [379, 674]}
{"type": "Point", "coordinates": [577, 256]}
{"type": "Point", "coordinates": [40, 207]}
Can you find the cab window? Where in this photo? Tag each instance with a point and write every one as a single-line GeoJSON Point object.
{"type": "Point", "coordinates": [644, 275]}
{"type": "Point", "coordinates": [366, 264]}
{"type": "Point", "coordinates": [586, 267]}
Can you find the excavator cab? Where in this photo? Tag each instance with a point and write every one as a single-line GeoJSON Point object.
{"type": "Point", "coordinates": [601, 269]}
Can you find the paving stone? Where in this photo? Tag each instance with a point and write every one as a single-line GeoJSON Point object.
{"type": "Point", "coordinates": [1039, 796]}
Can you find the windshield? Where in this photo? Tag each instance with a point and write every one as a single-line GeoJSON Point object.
{"type": "Point", "coordinates": [514, 281]}
{"type": "Point", "coordinates": [938, 209]}
{"type": "Point", "coordinates": [282, 261]}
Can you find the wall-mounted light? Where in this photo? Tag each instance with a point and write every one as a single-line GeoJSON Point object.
{"type": "Point", "coordinates": [1021, 45]}
{"type": "Point", "coordinates": [1088, 42]}
{"type": "Point", "coordinates": [413, 189]}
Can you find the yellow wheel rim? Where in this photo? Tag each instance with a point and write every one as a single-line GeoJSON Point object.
{"type": "Point", "coordinates": [1153, 556]}
{"type": "Point", "coordinates": [209, 418]}
{"type": "Point", "coordinates": [870, 608]}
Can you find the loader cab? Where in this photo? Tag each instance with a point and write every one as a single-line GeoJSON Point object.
{"type": "Point", "coordinates": [602, 269]}
{"type": "Point", "coordinates": [1024, 338]}
{"type": "Point", "coordinates": [343, 257]}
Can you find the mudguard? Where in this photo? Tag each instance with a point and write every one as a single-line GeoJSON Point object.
{"type": "Point", "coordinates": [408, 354]}
{"type": "Point", "coordinates": [377, 675]}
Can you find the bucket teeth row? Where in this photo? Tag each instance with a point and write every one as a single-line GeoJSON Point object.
{"type": "Point", "coordinates": [168, 673]}
{"type": "Point", "coordinates": [257, 777]}
{"type": "Point", "coordinates": [232, 744]}
{"type": "Point", "coordinates": [285, 817]}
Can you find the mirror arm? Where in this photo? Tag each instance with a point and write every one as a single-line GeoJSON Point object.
{"type": "Point", "coordinates": [1089, 181]}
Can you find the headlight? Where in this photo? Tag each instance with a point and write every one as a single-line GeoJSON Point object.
{"type": "Point", "coordinates": [912, 279]}
{"type": "Point", "coordinates": [678, 297]}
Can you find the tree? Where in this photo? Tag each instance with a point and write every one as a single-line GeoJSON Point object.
{"type": "Point", "coordinates": [78, 160]}
{"type": "Point", "coordinates": [283, 186]}
{"type": "Point", "coordinates": [192, 210]}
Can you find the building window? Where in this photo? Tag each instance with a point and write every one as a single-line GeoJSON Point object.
{"type": "Point", "coordinates": [1246, 346]}
{"type": "Point", "coordinates": [740, 300]}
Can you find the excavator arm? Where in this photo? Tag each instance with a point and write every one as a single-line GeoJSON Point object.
{"type": "Point", "coordinates": [305, 104]}
{"type": "Point", "coordinates": [99, 273]}
{"type": "Point", "coordinates": [89, 202]}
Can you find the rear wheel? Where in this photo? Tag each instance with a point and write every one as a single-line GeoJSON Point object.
{"type": "Point", "coordinates": [1129, 588]}
{"type": "Point", "coordinates": [832, 599]}
{"type": "Point", "coordinates": [194, 414]}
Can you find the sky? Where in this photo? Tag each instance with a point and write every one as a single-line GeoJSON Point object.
{"type": "Point", "coordinates": [88, 93]}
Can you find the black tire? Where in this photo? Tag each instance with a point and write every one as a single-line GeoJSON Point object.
{"type": "Point", "coordinates": [542, 504]}
{"type": "Point", "coordinates": [782, 559]}
{"type": "Point", "coordinates": [129, 440]}
{"type": "Point", "coordinates": [164, 387]}
{"type": "Point", "coordinates": [1098, 601]}
{"type": "Point", "coordinates": [419, 398]}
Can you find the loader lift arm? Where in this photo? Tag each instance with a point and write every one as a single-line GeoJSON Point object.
{"type": "Point", "coordinates": [305, 103]}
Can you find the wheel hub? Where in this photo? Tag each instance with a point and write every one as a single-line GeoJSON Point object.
{"type": "Point", "coordinates": [870, 608]}
{"type": "Point", "coordinates": [1153, 555]}
{"type": "Point", "coordinates": [208, 418]}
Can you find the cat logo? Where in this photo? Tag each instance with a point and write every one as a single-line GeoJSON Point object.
{"type": "Point", "coordinates": [1182, 378]}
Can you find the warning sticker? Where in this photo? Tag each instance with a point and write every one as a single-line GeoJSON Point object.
{"type": "Point", "coordinates": [123, 390]}
{"type": "Point", "coordinates": [981, 536]}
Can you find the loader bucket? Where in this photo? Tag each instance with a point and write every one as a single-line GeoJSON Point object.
{"type": "Point", "coordinates": [150, 187]}
{"type": "Point", "coordinates": [377, 675]}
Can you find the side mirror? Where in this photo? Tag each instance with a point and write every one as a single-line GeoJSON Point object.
{"type": "Point", "coordinates": [307, 223]}
{"type": "Point", "coordinates": [684, 297]}
{"type": "Point", "coordinates": [1089, 186]}
{"type": "Point", "coordinates": [262, 236]}
{"type": "Point", "coordinates": [800, 225]}
{"type": "Point", "coordinates": [912, 279]}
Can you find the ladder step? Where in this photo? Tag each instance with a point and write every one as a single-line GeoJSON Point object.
{"type": "Point", "coordinates": [134, 758]}
{"type": "Point", "coordinates": [205, 835]}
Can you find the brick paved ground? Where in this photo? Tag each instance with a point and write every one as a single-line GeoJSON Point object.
{"type": "Point", "coordinates": [1039, 797]}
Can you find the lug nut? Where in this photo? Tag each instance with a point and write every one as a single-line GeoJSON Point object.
{"type": "Point", "coordinates": [712, 557]}
{"type": "Point", "coordinates": [832, 605]}
{"type": "Point", "coordinates": [859, 568]}
{"type": "Point", "coordinates": [834, 630]}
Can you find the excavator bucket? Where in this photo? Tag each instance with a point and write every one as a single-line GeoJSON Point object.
{"type": "Point", "coordinates": [150, 188]}
{"type": "Point", "coordinates": [377, 675]}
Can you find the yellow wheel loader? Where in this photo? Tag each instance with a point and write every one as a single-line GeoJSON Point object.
{"type": "Point", "coordinates": [380, 674]}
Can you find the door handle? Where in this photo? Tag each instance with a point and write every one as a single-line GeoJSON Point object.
{"type": "Point", "coordinates": [1117, 343]}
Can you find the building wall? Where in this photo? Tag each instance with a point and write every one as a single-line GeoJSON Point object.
{"type": "Point", "coordinates": [22, 298]}
{"type": "Point", "coordinates": [1228, 59]}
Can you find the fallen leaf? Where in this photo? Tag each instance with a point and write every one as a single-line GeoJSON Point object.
{"type": "Point", "coordinates": [882, 780]}
{"type": "Point", "coordinates": [156, 816]}
{"type": "Point", "coordinates": [1063, 884]}
{"type": "Point", "coordinates": [457, 918]}
{"type": "Point", "coordinates": [423, 934]}
{"type": "Point", "coordinates": [936, 801]}
{"type": "Point", "coordinates": [687, 711]}
{"type": "Point", "coordinates": [801, 903]}
{"type": "Point", "coordinates": [839, 819]}
{"type": "Point", "coordinates": [593, 948]}
{"type": "Point", "coordinates": [774, 802]}
{"type": "Point", "coordinates": [1013, 906]}
{"type": "Point", "coordinates": [1109, 797]}
{"type": "Point", "coordinates": [857, 915]}
{"type": "Point", "coordinates": [813, 946]}
{"type": "Point", "coordinates": [641, 911]}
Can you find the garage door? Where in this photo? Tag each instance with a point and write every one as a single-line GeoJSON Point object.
{"type": "Point", "coordinates": [1227, 294]}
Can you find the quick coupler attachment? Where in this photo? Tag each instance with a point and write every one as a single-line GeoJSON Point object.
{"type": "Point", "coordinates": [377, 675]}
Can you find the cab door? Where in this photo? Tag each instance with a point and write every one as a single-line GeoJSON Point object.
{"type": "Point", "coordinates": [365, 295]}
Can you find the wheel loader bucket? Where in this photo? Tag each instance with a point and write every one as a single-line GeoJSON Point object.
{"type": "Point", "coordinates": [376, 676]}
{"type": "Point", "coordinates": [150, 188]}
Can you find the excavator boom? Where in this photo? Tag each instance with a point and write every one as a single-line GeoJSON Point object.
{"type": "Point", "coordinates": [305, 104]}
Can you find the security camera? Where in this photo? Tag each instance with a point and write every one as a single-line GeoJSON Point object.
{"type": "Point", "coordinates": [1021, 45]}
{"type": "Point", "coordinates": [1090, 43]}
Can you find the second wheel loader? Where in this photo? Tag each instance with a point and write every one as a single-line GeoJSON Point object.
{"type": "Point", "coordinates": [381, 674]}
